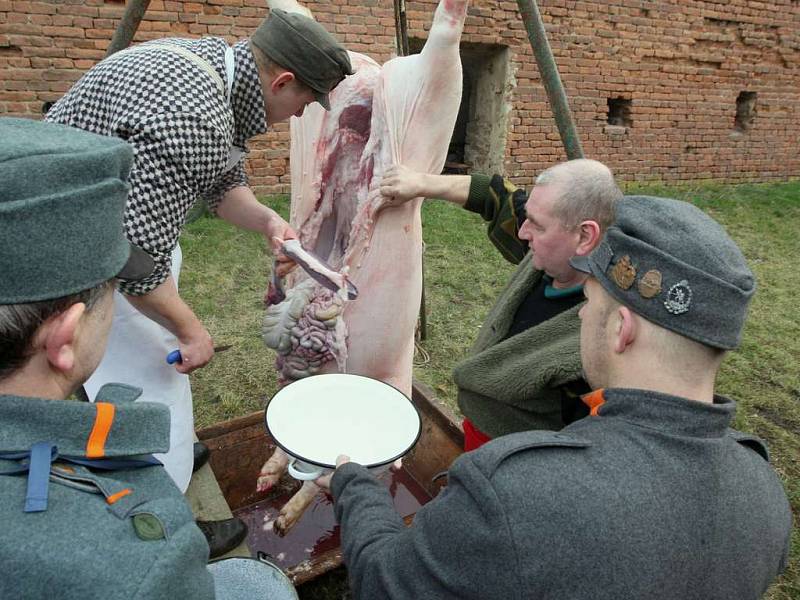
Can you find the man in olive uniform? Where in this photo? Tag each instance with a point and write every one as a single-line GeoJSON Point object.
{"type": "Point", "coordinates": [651, 496]}
{"type": "Point", "coordinates": [524, 370]}
{"type": "Point", "coordinates": [86, 510]}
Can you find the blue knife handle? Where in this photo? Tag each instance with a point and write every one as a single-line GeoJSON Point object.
{"type": "Point", "coordinates": [173, 357]}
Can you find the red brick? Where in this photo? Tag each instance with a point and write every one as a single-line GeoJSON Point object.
{"type": "Point", "coordinates": [682, 72]}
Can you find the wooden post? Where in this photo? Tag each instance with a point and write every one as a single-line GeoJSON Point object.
{"type": "Point", "coordinates": [401, 27]}
{"type": "Point", "coordinates": [548, 70]}
{"type": "Point", "coordinates": [123, 36]}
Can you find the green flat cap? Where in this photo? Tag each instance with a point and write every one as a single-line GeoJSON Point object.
{"type": "Point", "coordinates": [674, 265]}
{"type": "Point", "coordinates": [62, 199]}
{"type": "Point", "coordinates": [303, 46]}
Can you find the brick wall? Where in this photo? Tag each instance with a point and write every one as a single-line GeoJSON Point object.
{"type": "Point", "coordinates": [681, 64]}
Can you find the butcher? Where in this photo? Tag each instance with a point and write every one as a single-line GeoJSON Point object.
{"type": "Point", "coordinates": [524, 371]}
{"type": "Point", "coordinates": [652, 496]}
{"type": "Point", "coordinates": [188, 108]}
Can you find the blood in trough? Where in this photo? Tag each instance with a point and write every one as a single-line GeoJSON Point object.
{"type": "Point", "coordinates": [316, 532]}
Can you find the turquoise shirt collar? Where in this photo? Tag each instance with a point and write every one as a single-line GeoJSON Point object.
{"type": "Point", "coordinates": [552, 293]}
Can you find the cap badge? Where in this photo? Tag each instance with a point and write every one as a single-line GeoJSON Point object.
{"type": "Point", "coordinates": [650, 284]}
{"type": "Point", "coordinates": [679, 297]}
{"type": "Point", "coordinates": [623, 273]}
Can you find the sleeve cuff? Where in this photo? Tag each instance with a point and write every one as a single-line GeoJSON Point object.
{"type": "Point", "coordinates": [342, 476]}
{"type": "Point", "coordinates": [478, 192]}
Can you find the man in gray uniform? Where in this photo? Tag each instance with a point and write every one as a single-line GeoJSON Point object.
{"type": "Point", "coordinates": [86, 511]}
{"type": "Point", "coordinates": [651, 496]}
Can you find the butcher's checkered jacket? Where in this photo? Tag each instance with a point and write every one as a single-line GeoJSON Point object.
{"type": "Point", "coordinates": [181, 128]}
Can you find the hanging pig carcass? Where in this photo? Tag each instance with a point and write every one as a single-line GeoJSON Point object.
{"type": "Point", "coordinates": [400, 113]}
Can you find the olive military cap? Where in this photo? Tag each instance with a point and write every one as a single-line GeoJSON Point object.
{"type": "Point", "coordinates": [62, 198]}
{"type": "Point", "coordinates": [303, 46]}
{"type": "Point", "coordinates": [674, 265]}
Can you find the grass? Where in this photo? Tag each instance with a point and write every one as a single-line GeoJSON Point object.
{"type": "Point", "coordinates": [225, 272]}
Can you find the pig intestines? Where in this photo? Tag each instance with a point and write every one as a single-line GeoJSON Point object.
{"type": "Point", "coordinates": [306, 330]}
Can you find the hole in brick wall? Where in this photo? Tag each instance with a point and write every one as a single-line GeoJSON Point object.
{"type": "Point", "coordinates": [619, 112]}
{"type": "Point", "coordinates": [10, 50]}
{"type": "Point", "coordinates": [745, 111]}
{"type": "Point", "coordinates": [479, 134]}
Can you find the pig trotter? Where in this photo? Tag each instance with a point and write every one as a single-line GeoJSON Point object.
{"type": "Point", "coordinates": [295, 507]}
{"type": "Point", "coordinates": [272, 470]}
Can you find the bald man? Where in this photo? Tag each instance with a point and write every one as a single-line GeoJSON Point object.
{"type": "Point", "coordinates": [524, 370]}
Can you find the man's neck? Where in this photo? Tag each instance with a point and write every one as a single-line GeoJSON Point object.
{"type": "Point", "coordinates": [571, 280]}
{"type": "Point", "coordinates": [699, 391]}
{"type": "Point", "coordinates": [27, 384]}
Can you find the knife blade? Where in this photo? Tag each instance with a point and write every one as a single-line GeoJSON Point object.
{"type": "Point", "coordinates": [175, 356]}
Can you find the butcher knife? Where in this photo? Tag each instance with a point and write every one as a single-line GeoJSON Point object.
{"type": "Point", "coordinates": [318, 269]}
{"type": "Point", "coordinates": [175, 355]}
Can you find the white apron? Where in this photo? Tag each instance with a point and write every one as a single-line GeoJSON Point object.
{"type": "Point", "coordinates": [136, 355]}
{"type": "Point", "coordinates": [138, 347]}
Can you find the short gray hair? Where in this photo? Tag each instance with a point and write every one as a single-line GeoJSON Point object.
{"type": "Point", "coordinates": [20, 322]}
{"type": "Point", "coordinates": [586, 191]}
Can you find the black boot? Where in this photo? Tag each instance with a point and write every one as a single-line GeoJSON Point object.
{"type": "Point", "coordinates": [223, 536]}
{"type": "Point", "coordinates": [201, 454]}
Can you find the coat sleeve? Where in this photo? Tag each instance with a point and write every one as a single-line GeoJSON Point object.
{"type": "Point", "coordinates": [236, 177]}
{"type": "Point", "coordinates": [451, 550]}
{"type": "Point", "coordinates": [175, 160]}
{"type": "Point", "coordinates": [502, 205]}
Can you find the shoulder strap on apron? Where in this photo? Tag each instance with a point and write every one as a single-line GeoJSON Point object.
{"type": "Point", "coordinates": [224, 87]}
{"type": "Point", "coordinates": [235, 153]}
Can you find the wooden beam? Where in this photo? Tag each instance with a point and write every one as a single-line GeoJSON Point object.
{"type": "Point", "coordinates": [123, 36]}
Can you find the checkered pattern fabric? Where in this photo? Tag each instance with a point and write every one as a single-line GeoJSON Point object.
{"type": "Point", "coordinates": [181, 128]}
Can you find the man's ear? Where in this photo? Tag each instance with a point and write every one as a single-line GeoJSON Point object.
{"type": "Point", "coordinates": [281, 80]}
{"type": "Point", "coordinates": [589, 237]}
{"type": "Point", "coordinates": [59, 337]}
{"type": "Point", "coordinates": [626, 329]}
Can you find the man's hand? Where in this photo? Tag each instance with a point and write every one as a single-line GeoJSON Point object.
{"type": "Point", "coordinates": [197, 349]}
{"type": "Point", "coordinates": [325, 481]}
{"type": "Point", "coordinates": [279, 232]}
{"type": "Point", "coordinates": [164, 306]}
{"type": "Point", "coordinates": [400, 184]}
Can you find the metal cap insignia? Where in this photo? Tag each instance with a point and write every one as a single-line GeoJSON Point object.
{"type": "Point", "coordinates": [679, 298]}
{"type": "Point", "coordinates": [623, 273]}
{"type": "Point", "coordinates": [650, 284]}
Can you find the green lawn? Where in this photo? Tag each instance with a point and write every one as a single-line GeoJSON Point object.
{"type": "Point", "coordinates": [225, 273]}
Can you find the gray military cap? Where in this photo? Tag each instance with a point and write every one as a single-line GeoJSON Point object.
{"type": "Point", "coordinates": [303, 46]}
{"type": "Point", "coordinates": [674, 265]}
{"type": "Point", "coordinates": [62, 198]}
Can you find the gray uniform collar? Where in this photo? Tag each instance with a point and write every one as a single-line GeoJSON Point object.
{"type": "Point", "coordinates": [671, 414]}
{"type": "Point", "coordinates": [247, 99]}
{"type": "Point", "coordinates": [126, 428]}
